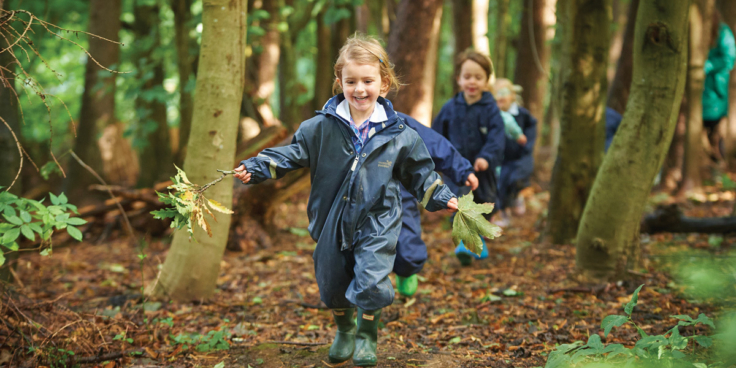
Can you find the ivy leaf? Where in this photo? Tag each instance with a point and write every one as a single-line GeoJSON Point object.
{"type": "Point", "coordinates": [469, 224]}
{"type": "Point", "coordinates": [219, 207]}
{"type": "Point", "coordinates": [632, 303]}
{"type": "Point", "coordinates": [74, 232]}
{"type": "Point", "coordinates": [612, 321]}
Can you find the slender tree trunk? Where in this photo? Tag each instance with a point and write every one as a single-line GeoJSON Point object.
{"type": "Point", "coordinates": [608, 238]}
{"type": "Point", "coordinates": [324, 74]}
{"type": "Point", "coordinates": [289, 86]}
{"type": "Point", "coordinates": [583, 111]}
{"type": "Point", "coordinates": [462, 27]}
{"type": "Point", "coordinates": [503, 20]}
{"type": "Point", "coordinates": [480, 26]}
{"type": "Point", "coordinates": [379, 17]}
{"type": "Point", "coordinates": [362, 18]}
{"type": "Point", "coordinates": [413, 36]}
{"type": "Point", "coordinates": [268, 63]}
{"type": "Point", "coordinates": [185, 50]}
{"type": "Point", "coordinates": [533, 57]}
{"type": "Point", "coordinates": [191, 268]}
{"type": "Point", "coordinates": [673, 162]}
{"type": "Point", "coordinates": [700, 19]}
{"type": "Point", "coordinates": [155, 158]}
{"type": "Point", "coordinates": [617, 37]}
{"type": "Point", "coordinates": [728, 11]}
{"type": "Point", "coordinates": [618, 94]}
{"type": "Point", "coordinates": [98, 100]}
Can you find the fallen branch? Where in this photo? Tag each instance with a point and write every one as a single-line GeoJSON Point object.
{"type": "Point", "coordinates": [670, 219]}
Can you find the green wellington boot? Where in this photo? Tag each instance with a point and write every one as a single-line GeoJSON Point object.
{"type": "Point", "coordinates": [407, 285]}
{"type": "Point", "coordinates": [366, 339]}
{"type": "Point", "coordinates": [344, 345]}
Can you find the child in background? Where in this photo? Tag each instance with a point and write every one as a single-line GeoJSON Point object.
{"type": "Point", "coordinates": [359, 154]}
{"type": "Point", "coordinates": [472, 122]}
{"type": "Point", "coordinates": [518, 160]}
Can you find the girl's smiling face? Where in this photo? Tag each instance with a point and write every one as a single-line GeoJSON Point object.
{"type": "Point", "coordinates": [472, 80]}
{"type": "Point", "coordinates": [361, 85]}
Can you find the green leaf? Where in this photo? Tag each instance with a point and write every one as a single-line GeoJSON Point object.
{"type": "Point", "coordinates": [616, 349]}
{"type": "Point", "coordinates": [54, 199]}
{"type": "Point", "coordinates": [469, 224]}
{"type": "Point", "coordinates": [678, 354]}
{"type": "Point", "coordinates": [164, 213]}
{"type": "Point", "coordinates": [11, 235]}
{"type": "Point", "coordinates": [594, 342]}
{"type": "Point", "coordinates": [15, 220]}
{"type": "Point", "coordinates": [220, 365]}
{"type": "Point", "coordinates": [455, 340]}
{"type": "Point", "coordinates": [25, 216]}
{"type": "Point", "coordinates": [62, 218]}
{"type": "Point", "coordinates": [704, 341]}
{"type": "Point", "coordinates": [75, 221]}
{"type": "Point", "coordinates": [612, 321]}
{"type": "Point", "coordinates": [27, 232]}
{"type": "Point", "coordinates": [2, 259]}
{"type": "Point", "coordinates": [632, 303]}
{"type": "Point", "coordinates": [74, 232]}
{"type": "Point", "coordinates": [63, 199]}
{"type": "Point", "coordinates": [46, 252]}
{"type": "Point", "coordinates": [8, 212]}
{"type": "Point", "coordinates": [702, 318]}
{"type": "Point", "coordinates": [677, 342]}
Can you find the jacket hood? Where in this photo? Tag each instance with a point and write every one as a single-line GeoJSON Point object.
{"type": "Point", "coordinates": [485, 99]}
{"type": "Point", "coordinates": [331, 108]}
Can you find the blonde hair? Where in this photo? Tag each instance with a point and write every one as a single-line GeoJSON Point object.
{"type": "Point", "coordinates": [364, 49]}
{"type": "Point", "coordinates": [514, 89]}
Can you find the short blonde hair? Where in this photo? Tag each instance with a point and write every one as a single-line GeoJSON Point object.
{"type": "Point", "coordinates": [514, 89]}
{"type": "Point", "coordinates": [364, 49]}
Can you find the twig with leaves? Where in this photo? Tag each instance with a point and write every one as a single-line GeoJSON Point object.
{"type": "Point", "coordinates": [188, 205]}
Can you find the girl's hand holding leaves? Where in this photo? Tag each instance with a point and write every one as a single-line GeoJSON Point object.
{"type": "Point", "coordinates": [188, 204]}
{"type": "Point", "coordinates": [469, 224]}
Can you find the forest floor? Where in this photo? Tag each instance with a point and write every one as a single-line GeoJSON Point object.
{"type": "Point", "coordinates": [507, 311]}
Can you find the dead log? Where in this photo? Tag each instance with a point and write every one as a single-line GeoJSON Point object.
{"type": "Point", "coordinates": [670, 219]}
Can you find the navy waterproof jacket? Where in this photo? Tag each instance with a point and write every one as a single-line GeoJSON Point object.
{"type": "Point", "coordinates": [357, 194]}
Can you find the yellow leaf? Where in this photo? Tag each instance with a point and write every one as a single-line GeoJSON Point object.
{"type": "Point", "coordinates": [219, 207]}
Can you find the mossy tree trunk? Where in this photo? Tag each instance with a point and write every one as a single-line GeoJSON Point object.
{"type": "Point", "coordinates": [700, 19]}
{"type": "Point", "coordinates": [156, 160]}
{"type": "Point", "coordinates": [98, 99]}
{"type": "Point", "coordinates": [413, 37]}
{"type": "Point", "coordinates": [585, 55]}
{"type": "Point", "coordinates": [186, 47]}
{"type": "Point", "coordinates": [191, 268]}
{"type": "Point", "coordinates": [608, 238]}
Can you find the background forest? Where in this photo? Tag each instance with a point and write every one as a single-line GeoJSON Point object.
{"type": "Point", "coordinates": [100, 99]}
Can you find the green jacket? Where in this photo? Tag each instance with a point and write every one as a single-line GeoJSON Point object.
{"type": "Point", "coordinates": [717, 72]}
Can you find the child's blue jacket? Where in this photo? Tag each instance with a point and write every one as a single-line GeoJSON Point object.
{"type": "Point", "coordinates": [358, 194]}
{"type": "Point", "coordinates": [477, 131]}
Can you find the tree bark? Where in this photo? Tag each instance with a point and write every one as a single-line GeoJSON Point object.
{"type": "Point", "coordinates": [413, 36]}
{"type": "Point", "coordinates": [289, 87]}
{"type": "Point", "coordinates": [585, 54]}
{"type": "Point", "coordinates": [618, 94]}
{"type": "Point", "coordinates": [324, 74]}
{"type": "Point", "coordinates": [462, 26]}
{"type": "Point", "coordinates": [480, 26]}
{"type": "Point", "coordinates": [155, 158]}
{"type": "Point", "coordinates": [728, 11]}
{"type": "Point", "coordinates": [608, 238]}
{"type": "Point", "coordinates": [503, 20]}
{"type": "Point", "coordinates": [190, 270]}
{"type": "Point", "coordinates": [98, 100]}
{"type": "Point", "coordinates": [267, 66]}
{"type": "Point", "coordinates": [533, 57]}
{"type": "Point", "coordinates": [186, 47]}
{"type": "Point", "coordinates": [700, 19]}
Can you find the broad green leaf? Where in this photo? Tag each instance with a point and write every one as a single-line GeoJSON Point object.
{"type": "Point", "coordinates": [63, 199]}
{"type": "Point", "coordinates": [25, 216]}
{"type": "Point", "coordinates": [8, 211]}
{"type": "Point", "coordinates": [2, 258]}
{"type": "Point", "coordinates": [677, 342]}
{"type": "Point", "coordinates": [220, 365]}
{"type": "Point", "coordinates": [15, 220]}
{"type": "Point", "coordinates": [46, 252]}
{"type": "Point", "coordinates": [35, 227]}
{"type": "Point", "coordinates": [612, 321]}
{"type": "Point", "coordinates": [27, 232]}
{"type": "Point", "coordinates": [455, 340]}
{"type": "Point", "coordinates": [616, 349]}
{"type": "Point", "coordinates": [632, 303]}
{"type": "Point", "coordinates": [678, 354]}
{"type": "Point", "coordinates": [74, 232]}
{"type": "Point", "coordinates": [700, 365]}
{"type": "Point", "coordinates": [702, 318]}
{"type": "Point", "coordinates": [54, 199]}
{"type": "Point", "coordinates": [75, 221]}
{"type": "Point", "coordinates": [594, 342]}
{"type": "Point", "coordinates": [704, 341]}
{"type": "Point", "coordinates": [62, 218]}
{"type": "Point", "coordinates": [469, 224]}
{"type": "Point", "coordinates": [11, 235]}
{"type": "Point", "coordinates": [218, 207]}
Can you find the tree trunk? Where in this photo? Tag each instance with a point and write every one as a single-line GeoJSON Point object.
{"type": "Point", "coordinates": [413, 36]}
{"type": "Point", "coordinates": [533, 57]}
{"type": "Point", "coordinates": [185, 47]}
{"type": "Point", "coordinates": [379, 17]}
{"type": "Point", "coordinates": [324, 74]}
{"type": "Point", "coordinates": [462, 27]}
{"type": "Point", "coordinates": [503, 20]}
{"type": "Point", "coordinates": [670, 219]}
{"type": "Point", "coordinates": [608, 239]}
{"type": "Point", "coordinates": [191, 268]}
{"type": "Point", "coordinates": [700, 19]}
{"type": "Point", "coordinates": [362, 17]}
{"type": "Point", "coordinates": [289, 86]}
{"type": "Point", "coordinates": [98, 101]}
{"type": "Point", "coordinates": [728, 11]}
{"type": "Point", "coordinates": [480, 26]}
{"type": "Point", "coordinates": [155, 158]}
{"type": "Point", "coordinates": [267, 66]}
{"type": "Point", "coordinates": [618, 94]}
{"type": "Point", "coordinates": [673, 162]}
{"type": "Point", "coordinates": [582, 135]}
